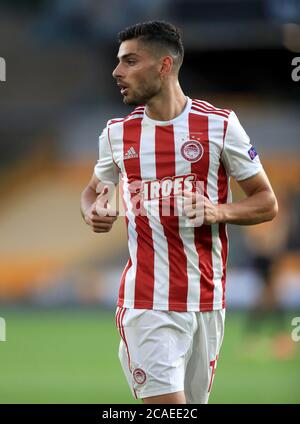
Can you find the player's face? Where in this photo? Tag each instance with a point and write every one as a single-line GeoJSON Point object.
{"type": "Point", "coordinates": [137, 73]}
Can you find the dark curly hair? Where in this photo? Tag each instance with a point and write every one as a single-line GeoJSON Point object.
{"type": "Point", "coordinates": [159, 33]}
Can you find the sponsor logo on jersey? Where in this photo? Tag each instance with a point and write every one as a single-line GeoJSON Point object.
{"type": "Point", "coordinates": [168, 186]}
{"type": "Point", "coordinates": [252, 152]}
{"type": "Point", "coordinates": [139, 376]}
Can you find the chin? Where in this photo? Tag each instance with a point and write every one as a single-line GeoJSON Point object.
{"type": "Point", "coordinates": [131, 102]}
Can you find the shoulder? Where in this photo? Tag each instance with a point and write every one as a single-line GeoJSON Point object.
{"type": "Point", "coordinates": [137, 113]}
{"type": "Point", "coordinates": [202, 107]}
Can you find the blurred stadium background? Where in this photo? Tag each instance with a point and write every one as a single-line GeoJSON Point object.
{"type": "Point", "coordinates": [58, 280]}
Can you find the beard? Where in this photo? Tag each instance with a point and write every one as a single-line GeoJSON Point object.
{"type": "Point", "coordinates": [142, 97]}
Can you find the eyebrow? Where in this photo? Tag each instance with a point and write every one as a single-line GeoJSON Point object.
{"type": "Point", "coordinates": [125, 56]}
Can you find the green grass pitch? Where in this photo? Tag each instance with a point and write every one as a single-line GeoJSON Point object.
{"type": "Point", "coordinates": [70, 356]}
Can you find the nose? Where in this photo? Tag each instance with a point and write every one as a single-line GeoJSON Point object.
{"type": "Point", "coordinates": [116, 72]}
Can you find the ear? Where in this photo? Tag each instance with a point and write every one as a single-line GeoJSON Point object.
{"type": "Point", "coordinates": [166, 65]}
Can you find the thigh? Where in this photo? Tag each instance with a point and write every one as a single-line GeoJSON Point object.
{"type": "Point", "coordinates": [202, 363]}
{"type": "Point", "coordinates": [153, 349]}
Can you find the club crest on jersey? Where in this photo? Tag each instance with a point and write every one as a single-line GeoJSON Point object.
{"type": "Point", "coordinates": [192, 150]}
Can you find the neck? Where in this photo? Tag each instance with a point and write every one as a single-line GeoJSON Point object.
{"type": "Point", "coordinates": [167, 105]}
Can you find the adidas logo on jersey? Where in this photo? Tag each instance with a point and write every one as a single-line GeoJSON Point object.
{"type": "Point", "coordinates": [131, 154]}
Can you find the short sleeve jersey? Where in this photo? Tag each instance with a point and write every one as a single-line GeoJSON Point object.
{"type": "Point", "coordinates": [172, 265]}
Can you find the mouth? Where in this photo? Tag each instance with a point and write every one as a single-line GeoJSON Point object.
{"type": "Point", "coordinates": [123, 88]}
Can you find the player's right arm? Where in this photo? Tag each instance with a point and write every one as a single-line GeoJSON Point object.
{"type": "Point", "coordinates": [95, 209]}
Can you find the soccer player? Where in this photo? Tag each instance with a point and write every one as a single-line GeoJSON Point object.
{"type": "Point", "coordinates": [171, 306]}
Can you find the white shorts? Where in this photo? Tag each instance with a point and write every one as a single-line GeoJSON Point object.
{"type": "Point", "coordinates": [165, 351]}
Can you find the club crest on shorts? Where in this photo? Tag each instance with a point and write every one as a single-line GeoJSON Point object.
{"type": "Point", "coordinates": [139, 376]}
{"type": "Point", "coordinates": [192, 150]}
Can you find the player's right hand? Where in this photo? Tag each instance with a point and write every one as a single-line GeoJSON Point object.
{"type": "Point", "coordinates": [100, 216]}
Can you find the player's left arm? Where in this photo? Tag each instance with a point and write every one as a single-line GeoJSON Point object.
{"type": "Point", "coordinates": [260, 204]}
{"type": "Point", "coordinates": [242, 162]}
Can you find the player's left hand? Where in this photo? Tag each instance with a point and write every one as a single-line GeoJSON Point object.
{"type": "Point", "coordinates": [199, 209]}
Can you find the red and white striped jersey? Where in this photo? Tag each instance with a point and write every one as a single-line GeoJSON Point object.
{"type": "Point", "coordinates": [173, 266]}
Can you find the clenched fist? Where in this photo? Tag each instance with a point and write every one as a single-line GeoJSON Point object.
{"type": "Point", "coordinates": [200, 210]}
{"type": "Point", "coordinates": [100, 216]}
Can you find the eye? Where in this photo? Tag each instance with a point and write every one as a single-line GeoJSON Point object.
{"type": "Point", "coordinates": [131, 61]}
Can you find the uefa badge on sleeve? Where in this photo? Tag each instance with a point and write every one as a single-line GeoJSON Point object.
{"type": "Point", "coordinates": [252, 153]}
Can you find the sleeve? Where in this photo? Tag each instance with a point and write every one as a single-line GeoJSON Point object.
{"type": "Point", "coordinates": [105, 169]}
{"type": "Point", "coordinates": [239, 156]}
